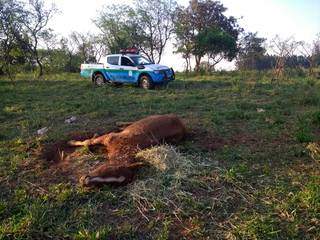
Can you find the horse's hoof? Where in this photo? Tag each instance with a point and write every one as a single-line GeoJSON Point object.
{"type": "Point", "coordinates": [84, 181]}
{"type": "Point", "coordinates": [71, 143]}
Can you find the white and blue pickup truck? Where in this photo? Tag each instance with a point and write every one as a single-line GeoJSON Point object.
{"type": "Point", "coordinates": [128, 67]}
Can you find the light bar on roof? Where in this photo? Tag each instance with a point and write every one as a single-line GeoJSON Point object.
{"type": "Point", "coordinates": [129, 51]}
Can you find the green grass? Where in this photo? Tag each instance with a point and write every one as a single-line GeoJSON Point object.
{"type": "Point", "coordinates": [253, 177]}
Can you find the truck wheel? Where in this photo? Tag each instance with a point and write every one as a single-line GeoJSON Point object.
{"type": "Point", "coordinates": [98, 79]}
{"type": "Point", "coordinates": [145, 82]}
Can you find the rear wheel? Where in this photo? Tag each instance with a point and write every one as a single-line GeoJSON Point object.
{"type": "Point", "coordinates": [98, 79]}
{"type": "Point", "coordinates": [145, 82]}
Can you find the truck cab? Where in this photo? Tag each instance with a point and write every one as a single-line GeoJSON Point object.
{"type": "Point", "coordinates": [128, 67]}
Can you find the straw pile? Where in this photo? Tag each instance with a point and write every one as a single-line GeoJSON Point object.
{"type": "Point", "coordinates": [160, 183]}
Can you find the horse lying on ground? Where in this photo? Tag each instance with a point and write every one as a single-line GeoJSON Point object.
{"type": "Point", "coordinates": [122, 147]}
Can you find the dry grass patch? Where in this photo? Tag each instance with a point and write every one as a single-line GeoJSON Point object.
{"type": "Point", "coordinates": [314, 151]}
{"type": "Point", "coordinates": [161, 182]}
{"type": "Point", "coordinates": [186, 185]}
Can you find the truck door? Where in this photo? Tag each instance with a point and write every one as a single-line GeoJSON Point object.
{"type": "Point", "coordinates": [112, 68]}
{"type": "Point", "coordinates": [127, 67]}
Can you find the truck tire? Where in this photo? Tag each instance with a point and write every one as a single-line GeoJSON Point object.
{"type": "Point", "coordinates": [146, 82]}
{"type": "Point", "coordinates": [99, 79]}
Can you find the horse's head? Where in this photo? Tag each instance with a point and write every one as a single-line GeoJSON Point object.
{"type": "Point", "coordinates": [110, 174]}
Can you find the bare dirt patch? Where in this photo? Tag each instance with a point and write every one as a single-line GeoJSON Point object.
{"type": "Point", "coordinates": [69, 162]}
{"type": "Point", "coordinates": [59, 151]}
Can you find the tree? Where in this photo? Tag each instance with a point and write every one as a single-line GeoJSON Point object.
{"type": "Point", "coordinates": [306, 50]}
{"type": "Point", "coordinates": [205, 17]}
{"type": "Point", "coordinates": [89, 46]}
{"type": "Point", "coordinates": [73, 61]}
{"type": "Point", "coordinates": [316, 49]}
{"type": "Point", "coordinates": [37, 16]}
{"type": "Point", "coordinates": [311, 52]}
{"type": "Point", "coordinates": [148, 26]}
{"type": "Point", "coordinates": [217, 45]}
{"type": "Point", "coordinates": [117, 28]}
{"type": "Point", "coordinates": [154, 19]}
{"type": "Point", "coordinates": [184, 31]}
{"type": "Point", "coordinates": [251, 52]}
{"type": "Point", "coordinates": [283, 49]}
{"type": "Point", "coordinates": [24, 26]}
{"type": "Point", "coordinates": [11, 53]}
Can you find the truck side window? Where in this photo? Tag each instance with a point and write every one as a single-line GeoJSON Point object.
{"type": "Point", "coordinates": [126, 62]}
{"type": "Point", "coordinates": [113, 60]}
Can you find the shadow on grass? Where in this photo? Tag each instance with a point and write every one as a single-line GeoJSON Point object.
{"type": "Point", "coordinates": [201, 84]}
{"type": "Point", "coordinates": [177, 84]}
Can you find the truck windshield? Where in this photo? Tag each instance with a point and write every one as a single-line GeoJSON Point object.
{"type": "Point", "coordinates": [139, 60]}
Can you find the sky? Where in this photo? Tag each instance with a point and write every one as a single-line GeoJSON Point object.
{"type": "Point", "coordinates": [297, 18]}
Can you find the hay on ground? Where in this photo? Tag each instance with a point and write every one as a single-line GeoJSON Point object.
{"type": "Point", "coordinates": [161, 182]}
{"type": "Point", "coordinates": [173, 179]}
{"type": "Point", "coordinates": [314, 151]}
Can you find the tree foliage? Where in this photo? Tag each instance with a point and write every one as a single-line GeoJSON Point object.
{"type": "Point", "coordinates": [11, 53]}
{"type": "Point", "coordinates": [24, 29]}
{"type": "Point", "coordinates": [252, 52]}
{"type": "Point", "coordinates": [311, 53]}
{"type": "Point", "coordinates": [217, 44]}
{"type": "Point", "coordinates": [117, 29]}
{"type": "Point", "coordinates": [35, 30]}
{"type": "Point", "coordinates": [148, 26]}
{"type": "Point", "coordinates": [154, 21]}
{"type": "Point", "coordinates": [90, 47]}
{"type": "Point", "coordinates": [202, 28]}
{"type": "Point", "coordinates": [285, 54]}
{"type": "Point", "coordinates": [185, 34]}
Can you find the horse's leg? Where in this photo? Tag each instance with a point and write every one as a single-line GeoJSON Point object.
{"type": "Point", "coordinates": [90, 141]}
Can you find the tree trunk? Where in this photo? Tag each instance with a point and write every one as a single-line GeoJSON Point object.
{"type": "Point", "coordinates": [312, 65]}
{"type": "Point", "coordinates": [198, 61]}
{"type": "Point", "coordinates": [70, 62]}
{"type": "Point", "coordinates": [11, 76]}
{"type": "Point", "coordinates": [187, 65]}
{"type": "Point", "coordinates": [40, 68]}
{"type": "Point", "coordinates": [159, 59]}
{"type": "Point", "coordinates": [311, 72]}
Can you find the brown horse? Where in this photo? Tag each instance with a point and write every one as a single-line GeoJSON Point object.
{"type": "Point", "coordinates": [122, 147]}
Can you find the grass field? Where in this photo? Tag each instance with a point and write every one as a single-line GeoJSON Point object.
{"type": "Point", "coordinates": [251, 160]}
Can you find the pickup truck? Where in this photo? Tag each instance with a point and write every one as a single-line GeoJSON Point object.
{"type": "Point", "coordinates": [130, 68]}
